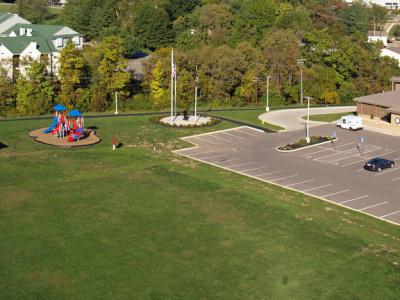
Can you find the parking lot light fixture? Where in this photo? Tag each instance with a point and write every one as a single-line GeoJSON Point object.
{"type": "Point", "coordinates": [308, 119]}
{"type": "Point", "coordinates": [268, 78]}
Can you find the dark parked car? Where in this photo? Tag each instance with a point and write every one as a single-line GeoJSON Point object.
{"type": "Point", "coordinates": [378, 164]}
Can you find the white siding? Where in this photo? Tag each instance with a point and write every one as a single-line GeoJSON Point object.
{"type": "Point", "coordinates": [6, 62]}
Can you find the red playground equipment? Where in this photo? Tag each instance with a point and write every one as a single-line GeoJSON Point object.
{"type": "Point", "coordinates": [75, 125]}
{"type": "Point", "coordinates": [73, 128]}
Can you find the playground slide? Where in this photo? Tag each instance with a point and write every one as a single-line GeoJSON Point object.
{"type": "Point", "coordinates": [77, 135]}
{"type": "Point", "coordinates": [52, 126]}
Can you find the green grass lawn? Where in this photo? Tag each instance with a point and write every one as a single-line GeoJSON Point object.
{"type": "Point", "coordinates": [327, 117]}
{"type": "Point", "coordinates": [54, 18]}
{"type": "Point", "coordinates": [249, 116]}
{"type": "Point", "coordinates": [144, 223]}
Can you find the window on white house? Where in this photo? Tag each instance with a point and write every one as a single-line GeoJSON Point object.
{"type": "Point", "coordinates": [75, 40]}
{"type": "Point", "coordinates": [59, 42]}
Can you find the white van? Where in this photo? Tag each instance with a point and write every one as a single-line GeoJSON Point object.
{"type": "Point", "coordinates": [350, 122]}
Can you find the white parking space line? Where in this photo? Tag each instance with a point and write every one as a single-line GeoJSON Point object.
{"type": "Point", "coordinates": [340, 146]}
{"type": "Point", "coordinates": [298, 183]}
{"type": "Point", "coordinates": [245, 132]}
{"type": "Point", "coordinates": [239, 165]}
{"type": "Point", "coordinates": [337, 193]}
{"type": "Point", "coordinates": [333, 158]}
{"type": "Point", "coordinates": [325, 149]}
{"type": "Point", "coordinates": [354, 199]}
{"type": "Point", "coordinates": [318, 187]}
{"type": "Point", "coordinates": [201, 153]}
{"type": "Point", "coordinates": [215, 136]}
{"type": "Point", "coordinates": [253, 169]}
{"type": "Point", "coordinates": [393, 213]}
{"type": "Point", "coordinates": [205, 140]}
{"type": "Point", "coordinates": [228, 160]}
{"type": "Point", "coordinates": [395, 179]}
{"type": "Point", "coordinates": [270, 173]}
{"type": "Point", "coordinates": [212, 157]}
{"type": "Point", "coordinates": [372, 206]}
{"type": "Point", "coordinates": [366, 158]}
{"type": "Point", "coordinates": [328, 149]}
{"type": "Point", "coordinates": [282, 178]}
{"type": "Point", "coordinates": [388, 171]}
{"type": "Point", "coordinates": [233, 135]}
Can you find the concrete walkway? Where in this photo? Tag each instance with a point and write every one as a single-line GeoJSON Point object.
{"type": "Point", "coordinates": [292, 119]}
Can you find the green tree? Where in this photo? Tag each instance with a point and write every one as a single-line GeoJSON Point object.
{"type": "Point", "coordinates": [71, 72]}
{"type": "Point", "coordinates": [152, 26]}
{"type": "Point", "coordinates": [7, 92]}
{"type": "Point", "coordinates": [157, 93]}
{"type": "Point", "coordinates": [34, 92]}
{"type": "Point", "coordinates": [112, 73]}
{"type": "Point", "coordinates": [35, 11]}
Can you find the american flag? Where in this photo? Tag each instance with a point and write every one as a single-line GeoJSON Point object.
{"type": "Point", "coordinates": [173, 70]}
{"type": "Point", "coordinates": [173, 66]}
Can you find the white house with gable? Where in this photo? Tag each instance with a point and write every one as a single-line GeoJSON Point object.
{"type": "Point", "coordinates": [23, 43]}
{"type": "Point", "coordinates": [8, 20]}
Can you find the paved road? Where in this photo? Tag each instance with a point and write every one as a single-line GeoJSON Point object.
{"type": "Point", "coordinates": [333, 172]}
{"type": "Point", "coordinates": [292, 119]}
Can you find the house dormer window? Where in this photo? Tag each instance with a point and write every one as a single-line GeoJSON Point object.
{"type": "Point", "coordinates": [59, 42]}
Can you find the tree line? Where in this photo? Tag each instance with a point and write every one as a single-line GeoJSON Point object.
{"type": "Point", "coordinates": [232, 47]}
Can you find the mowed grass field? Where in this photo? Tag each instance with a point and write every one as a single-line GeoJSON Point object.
{"type": "Point", "coordinates": [144, 223]}
{"type": "Point", "coordinates": [249, 116]}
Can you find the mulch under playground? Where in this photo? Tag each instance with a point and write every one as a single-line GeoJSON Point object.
{"type": "Point", "coordinates": [89, 138]}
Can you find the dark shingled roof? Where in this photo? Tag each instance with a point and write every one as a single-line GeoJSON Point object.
{"type": "Point", "coordinates": [387, 99]}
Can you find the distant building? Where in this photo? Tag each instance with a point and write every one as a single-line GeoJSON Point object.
{"type": "Point", "coordinates": [389, 4]}
{"type": "Point", "coordinates": [393, 52]}
{"type": "Point", "coordinates": [24, 42]}
{"type": "Point", "coordinates": [8, 20]}
{"type": "Point", "coordinates": [57, 2]}
{"type": "Point", "coordinates": [383, 109]}
{"type": "Point", "coordinates": [378, 36]}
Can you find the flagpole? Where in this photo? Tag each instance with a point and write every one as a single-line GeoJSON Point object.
{"type": "Point", "coordinates": [172, 85]}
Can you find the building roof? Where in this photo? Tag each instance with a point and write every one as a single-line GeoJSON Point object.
{"type": "Point", "coordinates": [4, 16]}
{"type": "Point", "coordinates": [394, 109]}
{"type": "Point", "coordinates": [48, 31]}
{"type": "Point", "coordinates": [377, 33]}
{"type": "Point", "coordinates": [387, 99]}
{"type": "Point", "coordinates": [18, 44]}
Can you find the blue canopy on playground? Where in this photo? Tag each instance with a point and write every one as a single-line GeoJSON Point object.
{"type": "Point", "coordinates": [59, 107]}
{"type": "Point", "coordinates": [75, 113]}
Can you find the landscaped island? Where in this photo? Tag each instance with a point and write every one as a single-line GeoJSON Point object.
{"type": "Point", "coordinates": [303, 143]}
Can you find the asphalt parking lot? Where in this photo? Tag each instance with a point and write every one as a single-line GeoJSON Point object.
{"type": "Point", "coordinates": [333, 171]}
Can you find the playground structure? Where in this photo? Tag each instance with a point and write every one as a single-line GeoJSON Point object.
{"type": "Point", "coordinates": [66, 130]}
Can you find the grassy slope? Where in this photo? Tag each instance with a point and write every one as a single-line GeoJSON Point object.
{"type": "Point", "coordinates": [54, 19]}
{"type": "Point", "coordinates": [143, 224]}
{"type": "Point", "coordinates": [250, 116]}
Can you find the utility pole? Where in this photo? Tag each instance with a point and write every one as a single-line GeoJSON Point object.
{"type": "Point", "coordinates": [267, 107]}
{"type": "Point", "coordinates": [308, 120]}
{"type": "Point", "coordinates": [301, 63]}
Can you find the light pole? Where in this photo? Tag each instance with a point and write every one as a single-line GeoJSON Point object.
{"type": "Point", "coordinates": [301, 63]}
{"type": "Point", "coordinates": [308, 120]}
{"type": "Point", "coordinates": [195, 96]}
{"type": "Point", "coordinates": [116, 103]}
{"type": "Point", "coordinates": [268, 78]}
